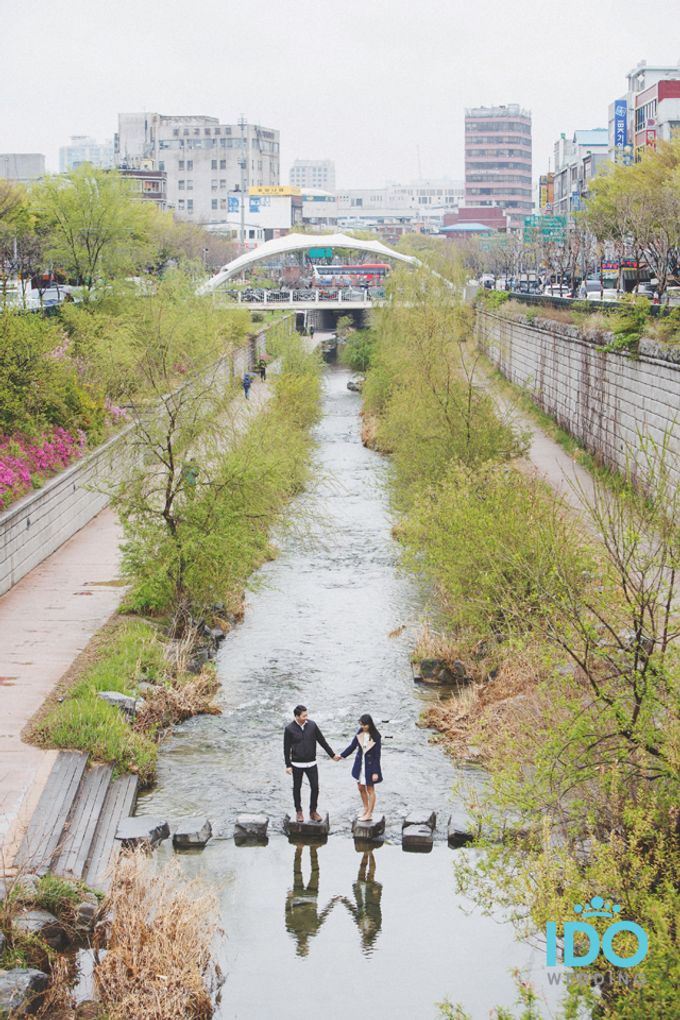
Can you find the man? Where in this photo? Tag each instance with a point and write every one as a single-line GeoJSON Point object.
{"type": "Point", "coordinates": [247, 382]}
{"type": "Point", "coordinates": [300, 738]}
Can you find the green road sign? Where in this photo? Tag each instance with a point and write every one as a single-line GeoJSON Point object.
{"type": "Point", "coordinates": [545, 228]}
{"type": "Point", "coordinates": [320, 253]}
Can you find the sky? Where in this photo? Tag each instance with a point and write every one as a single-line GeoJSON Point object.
{"type": "Point", "coordinates": [379, 86]}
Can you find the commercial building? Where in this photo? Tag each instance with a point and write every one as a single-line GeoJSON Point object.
{"type": "Point", "coordinates": [22, 167]}
{"type": "Point", "coordinates": [475, 220]}
{"type": "Point", "coordinates": [83, 149]}
{"type": "Point", "coordinates": [313, 173]}
{"type": "Point", "coordinates": [647, 112]}
{"type": "Point", "coordinates": [210, 166]}
{"type": "Point", "coordinates": [399, 208]}
{"type": "Point", "coordinates": [578, 160]}
{"type": "Point", "coordinates": [150, 185]}
{"type": "Point", "coordinates": [498, 160]}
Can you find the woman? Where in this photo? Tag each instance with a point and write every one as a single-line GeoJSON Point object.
{"type": "Point", "coordinates": [366, 768]}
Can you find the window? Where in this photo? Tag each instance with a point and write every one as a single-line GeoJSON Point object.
{"type": "Point", "coordinates": [190, 164]}
{"type": "Point", "coordinates": [213, 185]}
{"type": "Point", "coordinates": [251, 234]}
{"type": "Point", "coordinates": [223, 183]}
{"type": "Point", "coordinates": [175, 132]}
{"type": "Point", "coordinates": [213, 164]}
{"type": "Point", "coordinates": [218, 130]}
{"type": "Point", "coordinates": [180, 185]}
{"type": "Point", "coordinates": [223, 142]}
{"type": "Point", "coordinates": [190, 205]}
{"type": "Point", "coordinates": [186, 132]}
{"type": "Point", "coordinates": [213, 203]}
{"type": "Point", "coordinates": [223, 164]}
{"type": "Point", "coordinates": [190, 185]}
{"type": "Point", "coordinates": [223, 203]}
{"type": "Point", "coordinates": [180, 205]}
{"type": "Point", "coordinates": [206, 131]}
{"type": "Point", "coordinates": [180, 165]}
{"type": "Point", "coordinates": [197, 131]}
{"type": "Point", "coordinates": [161, 165]}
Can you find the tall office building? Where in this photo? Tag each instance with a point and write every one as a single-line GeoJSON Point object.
{"type": "Point", "coordinates": [498, 160]}
{"type": "Point", "coordinates": [313, 173]}
{"type": "Point", "coordinates": [209, 165]}
{"type": "Point", "coordinates": [83, 149]}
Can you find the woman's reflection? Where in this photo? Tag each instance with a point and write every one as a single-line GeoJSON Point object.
{"type": "Point", "coordinates": [303, 919]}
{"type": "Point", "coordinates": [366, 907]}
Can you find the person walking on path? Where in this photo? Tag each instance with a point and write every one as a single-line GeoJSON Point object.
{"type": "Point", "coordinates": [247, 383]}
{"type": "Point", "coordinates": [300, 738]}
{"type": "Point", "coordinates": [366, 768]}
{"type": "Point", "coordinates": [262, 369]}
{"type": "Point", "coordinates": [311, 332]}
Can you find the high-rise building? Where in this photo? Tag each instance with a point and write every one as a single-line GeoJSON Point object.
{"type": "Point", "coordinates": [313, 173]}
{"type": "Point", "coordinates": [22, 167]}
{"type": "Point", "coordinates": [83, 149]}
{"type": "Point", "coordinates": [498, 160]}
{"type": "Point", "coordinates": [209, 165]}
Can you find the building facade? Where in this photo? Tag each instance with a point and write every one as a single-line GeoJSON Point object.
{"type": "Point", "coordinates": [150, 185]}
{"type": "Point", "coordinates": [578, 160]}
{"type": "Point", "coordinates": [22, 167]}
{"type": "Point", "coordinates": [210, 166]}
{"type": "Point", "coordinates": [313, 173]}
{"type": "Point", "coordinates": [83, 149]}
{"type": "Point", "coordinates": [647, 112]}
{"type": "Point", "coordinates": [399, 208]}
{"type": "Point", "coordinates": [498, 160]}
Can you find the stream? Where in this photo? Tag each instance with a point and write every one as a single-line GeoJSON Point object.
{"type": "Point", "coordinates": [331, 930]}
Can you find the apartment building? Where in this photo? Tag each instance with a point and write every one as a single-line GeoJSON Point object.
{"type": "Point", "coordinates": [498, 160]}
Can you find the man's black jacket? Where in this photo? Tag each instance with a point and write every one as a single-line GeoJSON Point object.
{"type": "Point", "coordinates": [299, 742]}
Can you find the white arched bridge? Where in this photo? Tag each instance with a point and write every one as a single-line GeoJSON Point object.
{"type": "Point", "coordinates": [345, 298]}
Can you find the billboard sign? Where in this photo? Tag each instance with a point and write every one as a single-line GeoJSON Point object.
{"type": "Point", "coordinates": [620, 124]}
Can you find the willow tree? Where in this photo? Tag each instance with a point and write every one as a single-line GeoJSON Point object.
{"type": "Point", "coordinates": [95, 226]}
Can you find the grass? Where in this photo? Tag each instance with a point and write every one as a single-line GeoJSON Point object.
{"type": "Point", "coordinates": [128, 652]}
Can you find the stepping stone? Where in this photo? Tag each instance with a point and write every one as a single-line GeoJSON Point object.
{"type": "Point", "coordinates": [191, 833]}
{"type": "Point", "coordinates": [417, 838]}
{"type": "Point", "coordinates": [251, 827]}
{"type": "Point", "coordinates": [314, 830]}
{"type": "Point", "coordinates": [369, 830]}
{"type": "Point", "coordinates": [462, 829]}
{"type": "Point", "coordinates": [423, 817]}
{"type": "Point", "coordinates": [21, 991]}
{"type": "Point", "coordinates": [142, 830]}
{"type": "Point", "coordinates": [42, 924]}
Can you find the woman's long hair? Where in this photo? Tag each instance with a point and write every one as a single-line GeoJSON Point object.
{"type": "Point", "coordinates": [367, 720]}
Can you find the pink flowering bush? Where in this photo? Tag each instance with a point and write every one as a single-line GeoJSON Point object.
{"type": "Point", "coordinates": [26, 463]}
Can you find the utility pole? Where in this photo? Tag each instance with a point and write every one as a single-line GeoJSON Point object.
{"type": "Point", "coordinates": [244, 179]}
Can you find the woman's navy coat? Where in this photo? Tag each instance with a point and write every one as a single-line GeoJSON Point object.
{"type": "Point", "coordinates": [372, 762]}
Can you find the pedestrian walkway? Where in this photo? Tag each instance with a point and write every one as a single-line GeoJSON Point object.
{"type": "Point", "coordinates": [46, 621]}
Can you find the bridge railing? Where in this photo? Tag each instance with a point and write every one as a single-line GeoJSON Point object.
{"type": "Point", "coordinates": [264, 296]}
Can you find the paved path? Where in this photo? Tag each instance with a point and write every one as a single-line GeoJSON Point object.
{"type": "Point", "coordinates": [46, 621]}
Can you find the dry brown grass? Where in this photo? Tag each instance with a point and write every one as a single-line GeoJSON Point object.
{"type": "Point", "coordinates": [370, 425]}
{"type": "Point", "coordinates": [158, 946]}
{"type": "Point", "coordinates": [184, 696]}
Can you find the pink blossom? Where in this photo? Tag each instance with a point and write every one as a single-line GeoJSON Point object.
{"type": "Point", "coordinates": [24, 463]}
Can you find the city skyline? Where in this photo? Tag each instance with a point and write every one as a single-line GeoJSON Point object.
{"type": "Point", "coordinates": [384, 101]}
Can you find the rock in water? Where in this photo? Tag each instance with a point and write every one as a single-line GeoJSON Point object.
{"type": "Point", "coordinates": [371, 830]}
{"type": "Point", "coordinates": [191, 832]}
{"type": "Point", "coordinates": [251, 825]}
{"type": "Point", "coordinates": [421, 817]}
{"type": "Point", "coordinates": [21, 992]}
{"type": "Point", "coordinates": [142, 831]}
{"type": "Point", "coordinates": [417, 838]}
{"type": "Point", "coordinates": [461, 830]}
{"type": "Point", "coordinates": [308, 828]}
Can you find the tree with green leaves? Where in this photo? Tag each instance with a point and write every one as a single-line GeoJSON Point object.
{"type": "Point", "coordinates": [96, 228]}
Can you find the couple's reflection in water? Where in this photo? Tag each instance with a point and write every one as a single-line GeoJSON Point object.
{"type": "Point", "coordinates": [303, 916]}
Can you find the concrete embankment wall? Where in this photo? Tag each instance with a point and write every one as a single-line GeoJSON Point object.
{"type": "Point", "coordinates": [607, 401]}
{"type": "Point", "coordinates": [34, 527]}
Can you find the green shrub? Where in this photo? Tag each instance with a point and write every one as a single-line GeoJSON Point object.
{"type": "Point", "coordinates": [358, 350]}
{"type": "Point", "coordinates": [492, 298]}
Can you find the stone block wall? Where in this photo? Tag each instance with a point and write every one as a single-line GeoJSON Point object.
{"type": "Point", "coordinates": [609, 402]}
{"type": "Point", "coordinates": [37, 525]}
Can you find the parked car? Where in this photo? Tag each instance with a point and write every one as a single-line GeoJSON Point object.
{"type": "Point", "coordinates": [592, 290]}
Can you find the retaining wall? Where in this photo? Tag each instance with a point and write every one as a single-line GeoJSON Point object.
{"type": "Point", "coordinates": [608, 401]}
{"type": "Point", "coordinates": [34, 527]}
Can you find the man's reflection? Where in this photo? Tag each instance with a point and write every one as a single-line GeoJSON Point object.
{"type": "Point", "coordinates": [303, 919]}
{"type": "Point", "coordinates": [366, 909]}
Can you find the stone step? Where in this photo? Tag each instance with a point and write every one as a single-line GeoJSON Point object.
{"type": "Point", "coordinates": [368, 831]}
{"type": "Point", "coordinates": [71, 857]}
{"type": "Point", "coordinates": [120, 802]}
{"type": "Point", "coordinates": [46, 827]}
{"type": "Point", "coordinates": [308, 829]}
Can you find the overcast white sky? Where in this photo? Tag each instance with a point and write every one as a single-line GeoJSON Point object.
{"type": "Point", "coordinates": [367, 83]}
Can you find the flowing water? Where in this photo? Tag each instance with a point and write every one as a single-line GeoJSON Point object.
{"type": "Point", "coordinates": [331, 930]}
